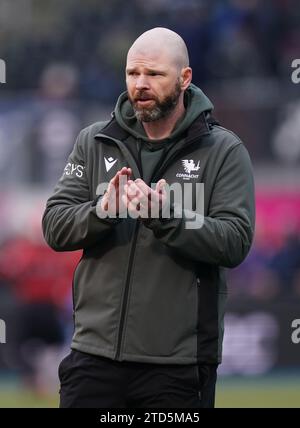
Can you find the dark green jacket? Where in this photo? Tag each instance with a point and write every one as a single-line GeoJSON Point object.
{"type": "Point", "coordinates": [153, 291]}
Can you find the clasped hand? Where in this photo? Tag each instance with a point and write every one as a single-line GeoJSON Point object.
{"type": "Point", "coordinates": [134, 197]}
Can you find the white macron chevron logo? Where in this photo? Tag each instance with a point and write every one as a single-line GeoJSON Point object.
{"type": "Point", "coordinates": [109, 163]}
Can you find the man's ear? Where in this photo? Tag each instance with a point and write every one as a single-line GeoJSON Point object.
{"type": "Point", "coordinates": [186, 77]}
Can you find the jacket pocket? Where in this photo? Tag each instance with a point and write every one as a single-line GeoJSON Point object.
{"type": "Point", "coordinates": [63, 366]}
{"type": "Point", "coordinates": [68, 364]}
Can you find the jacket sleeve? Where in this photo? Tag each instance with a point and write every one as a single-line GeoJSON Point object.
{"type": "Point", "coordinates": [226, 233]}
{"type": "Point", "coordinates": [70, 221]}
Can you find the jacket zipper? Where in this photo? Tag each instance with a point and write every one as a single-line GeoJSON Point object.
{"type": "Point", "coordinates": [131, 256]}
{"type": "Point", "coordinates": [125, 298]}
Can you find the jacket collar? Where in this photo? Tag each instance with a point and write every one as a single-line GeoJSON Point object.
{"type": "Point", "coordinates": [112, 129]}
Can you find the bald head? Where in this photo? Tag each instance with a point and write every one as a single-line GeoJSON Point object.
{"type": "Point", "coordinates": [161, 42]}
{"type": "Point", "coordinates": [157, 75]}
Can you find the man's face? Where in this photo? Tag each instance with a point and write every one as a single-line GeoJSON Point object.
{"type": "Point", "coordinates": [153, 86]}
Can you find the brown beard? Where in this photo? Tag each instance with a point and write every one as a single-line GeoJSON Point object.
{"type": "Point", "coordinates": [160, 110]}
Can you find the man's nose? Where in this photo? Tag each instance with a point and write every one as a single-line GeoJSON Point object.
{"type": "Point", "coordinates": [142, 82]}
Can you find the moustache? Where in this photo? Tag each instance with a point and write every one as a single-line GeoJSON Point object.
{"type": "Point", "coordinates": [143, 97]}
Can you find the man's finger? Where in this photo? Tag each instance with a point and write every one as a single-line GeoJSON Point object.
{"type": "Point", "coordinates": [133, 209]}
{"type": "Point", "coordinates": [132, 189]}
{"type": "Point", "coordinates": [160, 185]}
{"type": "Point", "coordinates": [114, 179]}
{"type": "Point", "coordinates": [125, 171]}
{"type": "Point", "coordinates": [146, 190]}
{"type": "Point", "coordinates": [121, 176]}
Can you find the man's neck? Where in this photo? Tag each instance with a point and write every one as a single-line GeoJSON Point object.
{"type": "Point", "coordinates": [162, 128]}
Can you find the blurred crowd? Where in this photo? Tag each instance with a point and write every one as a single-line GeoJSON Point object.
{"type": "Point", "coordinates": [269, 273]}
{"type": "Point", "coordinates": [65, 69]}
{"type": "Point", "coordinates": [226, 38]}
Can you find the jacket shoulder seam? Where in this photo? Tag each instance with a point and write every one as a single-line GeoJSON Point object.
{"type": "Point", "coordinates": [238, 140]}
{"type": "Point", "coordinates": [86, 135]}
{"type": "Point", "coordinates": [94, 127]}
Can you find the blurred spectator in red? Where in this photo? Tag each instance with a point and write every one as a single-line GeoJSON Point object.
{"type": "Point", "coordinates": [41, 281]}
{"type": "Point", "coordinates": [37, 273]}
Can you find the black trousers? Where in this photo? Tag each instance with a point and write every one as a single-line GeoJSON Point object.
{"type": "Point", "coordinates": [97, 382]}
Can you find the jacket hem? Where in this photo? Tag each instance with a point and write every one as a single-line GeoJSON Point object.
{"type": "Point", "coordinates": [90, 349]}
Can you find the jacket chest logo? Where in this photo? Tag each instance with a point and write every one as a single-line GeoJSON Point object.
{"type": "Point", "coordinates": [189, 166]}
{"type": "Point", "coordinates": [109, 162]}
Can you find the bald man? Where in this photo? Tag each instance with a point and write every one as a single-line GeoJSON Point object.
{"type": "Point", "coordinates": [149, 292]}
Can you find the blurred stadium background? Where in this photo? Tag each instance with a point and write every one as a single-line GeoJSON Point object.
{"type": "Point", "coordinates": [65, 69]}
